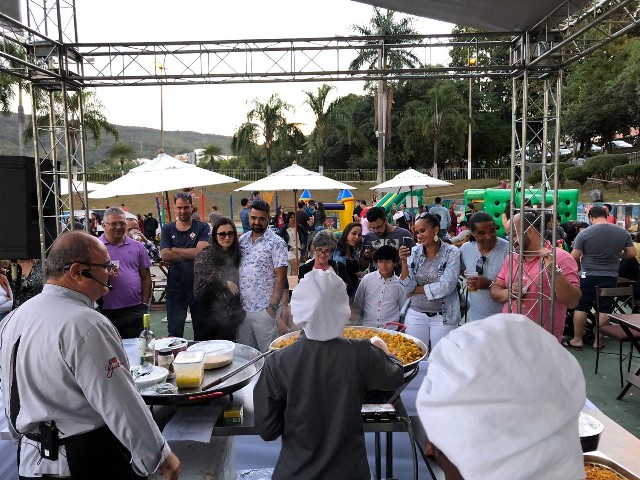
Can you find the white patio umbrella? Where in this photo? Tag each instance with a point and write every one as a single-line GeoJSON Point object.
{"type": "Point", "coordinates": [78, 186]}
{"type": "Point", "coordinates": [408, 181]}
{"type": "Point", "coordinates": [162, 174]}
{"type": "Point", "coordinates": [294, 178]}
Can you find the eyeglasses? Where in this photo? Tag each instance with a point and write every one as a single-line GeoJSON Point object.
{"type": "Point", "coordinates": [115, 224]}
{"type": "Point", "coordinates": [324, 252]}
{"type": "Point", "coordinates": [480, 265]}
{"type": "Point", "coordinates": [182, 195]}
{"type": "Point", "coordinates": [109, 267]}
{"type": "Point", "coordinates": [225, 234]}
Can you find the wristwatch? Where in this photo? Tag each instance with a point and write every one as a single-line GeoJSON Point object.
{"type": "Point", "coordinates": [558, 270]}
{"type": "Point", "coordinates": [275, 306]}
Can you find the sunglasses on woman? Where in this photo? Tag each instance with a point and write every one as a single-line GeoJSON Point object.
{"type": "Point", "coordinates": [225, 234]}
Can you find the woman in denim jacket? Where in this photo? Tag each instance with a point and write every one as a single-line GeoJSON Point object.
{"type": "Point", "coordinates": [429, 276]}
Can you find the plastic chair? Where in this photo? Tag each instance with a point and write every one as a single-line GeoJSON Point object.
{"type": "Point", "coordinates": [623, 302]}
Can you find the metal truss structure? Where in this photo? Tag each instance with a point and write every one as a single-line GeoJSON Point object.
{"type": "Point", "coordinates": [54, 62]}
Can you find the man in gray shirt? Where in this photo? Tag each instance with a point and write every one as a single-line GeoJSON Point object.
{"type": "Point", "coordinates": [598, 248]}
{"type": "Point", "coordinates": [484, 257]}
{"type": "Point", "coordinates": [445, 218]}
{"type": "Point", "coordinates": [65, 365]}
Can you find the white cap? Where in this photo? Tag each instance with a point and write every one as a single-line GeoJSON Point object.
{"type": "Point", "coordinates": [320, 305]}
{"type": "Point", "coordinates": [501, 399]}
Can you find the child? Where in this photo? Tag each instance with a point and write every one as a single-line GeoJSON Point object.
{"type": "Point", "coordinates": [380, 295]}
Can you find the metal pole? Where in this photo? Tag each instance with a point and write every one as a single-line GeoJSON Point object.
{"type": "Point", "coordinates": [382, 115]}
{"type": "Point", "coordinates": [161, 119]}
{"type": "Point", "coordinates": [469, 137]}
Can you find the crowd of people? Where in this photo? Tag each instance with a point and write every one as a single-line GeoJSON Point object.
{"type": "Point", "coordinates": [425, 269]}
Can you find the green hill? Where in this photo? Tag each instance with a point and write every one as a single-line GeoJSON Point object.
{"type": "Point", "coordinates": [145, 141]}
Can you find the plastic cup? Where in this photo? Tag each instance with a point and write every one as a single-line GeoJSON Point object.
{"type": "Point", "coordinates": [471, 275]}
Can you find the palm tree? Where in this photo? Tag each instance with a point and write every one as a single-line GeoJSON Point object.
{"type": "Point", "coordinates": [121, 152]}
{"type": "Point", "coordinates": [94, 120]}
{"type": "Point", "coordinates": [266, 120]}
{"type": "Point", "coordinates": [211, 152]}
{"type": "Point", "coordinates": [321, 132]}
{"type": "Point", "coordinates": [385, 23]}
{"type": "Point", "coordinates": [441, 121]}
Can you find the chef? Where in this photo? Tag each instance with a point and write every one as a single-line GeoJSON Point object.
{"type": "Point", "coordinates": [311, 392]}
{"type": "Point", "coordinates": [69, 398]}
{"type": "Point", "coordinates": [501, 400]}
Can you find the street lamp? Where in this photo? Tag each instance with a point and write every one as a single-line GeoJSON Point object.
{"type": "Point", "coordinates": [160, 66]}
{"type": "Point", "coordinates": [472, 62]}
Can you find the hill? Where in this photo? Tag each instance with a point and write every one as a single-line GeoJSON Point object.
{"type": "Point", "coordinates": [145, 141]}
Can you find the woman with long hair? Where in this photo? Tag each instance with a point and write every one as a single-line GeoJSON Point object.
{"type": "Point", "coordinates": [430, 276]}
{"type": "Point", "coordinates": [348, 251]}
{"type": "Point", "coordinates": [321, 217]}
{"type": "Point", "coordinates": [288, 234]}
{"type": "Point", "coordinates": [215, 284]}
{"type": "Point", "coordinates": [280, 220]}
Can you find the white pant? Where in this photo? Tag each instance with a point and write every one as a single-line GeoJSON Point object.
{"type": "Point", "coordinates": [426, 328]}
{"type": "Point", "coordinates": [258, 330]}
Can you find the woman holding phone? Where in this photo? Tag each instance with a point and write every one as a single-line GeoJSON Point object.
{"type": "Point", "coordinates": [348, 252]}
{"type": "Point", "coordinates": [429, 276]}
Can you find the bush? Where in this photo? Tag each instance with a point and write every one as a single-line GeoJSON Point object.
{"type": "Point", "coordinates": [630, 173]}
{"type": "Point", "coordinates": [578, 174]}
{"type": "Point", "coordinates": [601, 166]}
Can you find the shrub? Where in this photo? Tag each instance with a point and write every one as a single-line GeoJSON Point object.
{"type": "Point", "coordinates": [578, 174]}
{"type": "Point", "coordinates": [630, 173]}
{"type": "Point", "coordinates": [602, 166]}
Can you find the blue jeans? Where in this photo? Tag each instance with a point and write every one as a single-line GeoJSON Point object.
{"type": "Point", "coordinates": [177, 303]}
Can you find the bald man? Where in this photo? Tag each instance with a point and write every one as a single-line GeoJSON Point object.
{"type": "Point", "coordinates": [84, 397]}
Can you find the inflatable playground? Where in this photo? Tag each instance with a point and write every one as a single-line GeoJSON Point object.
{"type": "Point", "coordinates": [494, 200]}
{"type": "Point", "coordinates": [340, 214]}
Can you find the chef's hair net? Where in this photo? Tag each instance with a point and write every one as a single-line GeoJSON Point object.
{"type": "Point", "coordinates": [320, 305]}
{"type": "Point", "coordinates": [501, 399]}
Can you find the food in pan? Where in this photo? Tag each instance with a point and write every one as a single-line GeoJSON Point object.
{"type": "Point", "coordinates": [400, 346]}
{"type": "Point", "coordinates": [596, 472]}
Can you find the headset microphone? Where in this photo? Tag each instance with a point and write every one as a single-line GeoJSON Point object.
{"type": "Point", "coordinates": [88, 274]}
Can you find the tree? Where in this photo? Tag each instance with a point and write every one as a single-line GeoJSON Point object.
{"type": "Point", "coordinates": [602, 165]}
{"type": "Point", "coordinates": [630, 172]}
{"type": "Point", "coordinates": [266, 120]}
{"type": "Point", "coordinates": [94, 121]}
{"type": "Point", "coordinates": [121, 152]}
{"type": "Point", "coordinates": [210, 153]}
{"type": "Point", "coordinates": [441, 122]}
{"type": "Point", "coordinates": [385, 23]}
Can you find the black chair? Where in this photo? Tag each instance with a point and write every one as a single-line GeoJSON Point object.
{"type": "Point", "coordinates": [623, 302]}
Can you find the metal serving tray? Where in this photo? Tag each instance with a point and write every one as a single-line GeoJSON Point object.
{"type": "Point", "coordinates": [601, 460]}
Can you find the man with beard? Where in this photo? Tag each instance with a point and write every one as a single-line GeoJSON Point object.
{"type": "Point", "coordinates": [536, 277]}
{"type": "Point", "coordinates": [180, 242]}
{"type": "Point", "coordinates": [484, 257]}
{"type": "Point", "coordinates": [263, 274]}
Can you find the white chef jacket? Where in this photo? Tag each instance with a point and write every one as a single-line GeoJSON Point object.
{"type": "Point", "coordinates": [72, 368]}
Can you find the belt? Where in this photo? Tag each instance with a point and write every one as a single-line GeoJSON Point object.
{"type": "Point", "coordinates": [430, 314]}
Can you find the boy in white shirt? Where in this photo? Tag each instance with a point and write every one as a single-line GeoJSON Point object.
{"type": "Point", "coordinates": [380, 295]}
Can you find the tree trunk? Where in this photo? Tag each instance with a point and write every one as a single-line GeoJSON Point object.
{"type": "Point", "coordinates": [21, 149]}
{"type": "Point", "coordinates": [434, 169]}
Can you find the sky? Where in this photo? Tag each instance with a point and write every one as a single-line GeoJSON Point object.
{"type": "Point", "coordinates": [218, 109]}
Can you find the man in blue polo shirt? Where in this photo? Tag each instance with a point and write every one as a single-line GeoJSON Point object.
{"type": "Point", "coordinates": [180, 242]}
{"type": "Point", "coordinates": [125, 304]}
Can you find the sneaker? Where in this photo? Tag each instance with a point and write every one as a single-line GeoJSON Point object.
{"type": "Point", "coordinates": [164, 320]}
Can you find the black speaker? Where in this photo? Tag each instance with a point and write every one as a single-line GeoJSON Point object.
{"type": "Point", "coordinates": [20, 229]}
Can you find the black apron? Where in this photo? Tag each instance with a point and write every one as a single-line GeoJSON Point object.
{"type": "Point", "coordinates": [94, 454]}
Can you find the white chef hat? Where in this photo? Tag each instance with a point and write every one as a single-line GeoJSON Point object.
{"type": "Point", "coordinates": [320, 305]}
{"type": "Point", "coordinates": [501, 399]}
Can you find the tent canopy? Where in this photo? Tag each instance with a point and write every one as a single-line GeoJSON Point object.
{"type": "Point", "coordinates": [163, 173]}
{"type": "Point", "coordinates": [78, 186]}
{"type": "Point", "coordinates": [294, 177]}
{"type": "Point", "coordinates": [492, 15]}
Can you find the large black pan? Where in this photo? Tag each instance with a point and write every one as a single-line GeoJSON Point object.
{"type": "Point", "coordinates": [408, 367]}
{"type": "Point", "coordinates": [242, 354]}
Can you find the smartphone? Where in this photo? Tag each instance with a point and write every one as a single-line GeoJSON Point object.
{"type": "Point", "coordinates": [407, 242]}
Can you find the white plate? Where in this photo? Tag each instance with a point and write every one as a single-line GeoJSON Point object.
{"type": "Point", "coordinates": [218, 352]}
{"type": "Point", "coordinates": [156, 375]}
{"type": "Point", "coordinates": [174, 343]}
